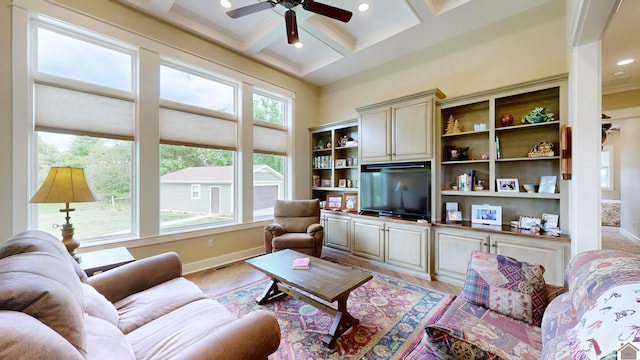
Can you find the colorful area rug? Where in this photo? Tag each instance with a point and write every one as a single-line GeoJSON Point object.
{"type": "Point", "coordinates": [392, 314]}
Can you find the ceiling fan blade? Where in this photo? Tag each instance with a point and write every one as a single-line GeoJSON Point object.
{"type": "Point", "coordinates": [250, 9]}
{"type": "Point", "coordinates": [292, 27]}
{"type": "Point", "coordinates": [327, 10]}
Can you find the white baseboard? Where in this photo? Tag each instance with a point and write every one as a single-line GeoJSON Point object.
{"type": "Point", "coordinates": [629, 235]}
{"type": "Point", "coordinates": [219, 261]}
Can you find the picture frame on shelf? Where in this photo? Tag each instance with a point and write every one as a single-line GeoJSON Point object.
{"type": "Point", "coordinates": [507, 185]}
{"type": "Point", "coordinates": [333, 202]}
{"type": "Point", "coordinates": [342, 183]}
{"type": "Point", "coordinates": [486, 214]}
{"type": "Point", "coordinates": [547, 184]}
{"type": "Point", "coordinates": [528, 222]}
{"type": "Point", "coordinates": [549, 221]}
{"type": "Point", "coordinates": [316, 181]}
{"type": "Point", "coordinates": [350, 202]}
{"type": "Point", "coordinates": [325, 182]}
{"type": "Point", "coordinates": [340, 163]}
{"type": "Point", "coordinates": [454, 216]}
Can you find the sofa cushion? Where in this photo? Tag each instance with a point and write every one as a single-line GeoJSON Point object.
{"type": "Point", "coordinates": [505, 285]}
{"type": "Point", "coordinates": [612, 318]}
{"type": "Point", "coordinates": [39, 241]}
{"type": "Point", "coordinates": [591, 273]}
{"type": "Point", "coordinates": [469, 331]}
{"type": "Point", "coordinates": [95, 304]}
{"type": "Point", "coordinates": [25, 337]}
{"type": "Point", "coordinates": [166, 336]}
{"type": "Point", "coordinates": [140, 308]}
{"type": "Point", "coordinates": [106, 341]}
{"type": "Point", "coordinates": [44, 286]}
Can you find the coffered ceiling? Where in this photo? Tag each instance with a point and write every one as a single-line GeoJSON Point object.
{"type": "Point", "coordinates": [390, 29]}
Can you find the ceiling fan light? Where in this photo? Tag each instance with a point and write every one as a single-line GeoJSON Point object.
{"type": "Point", "coordinates": [225, 4]}
{"type": "Point", "coordinates": [363, 7]}
{"type": "Point", "coordinates": [625, 61]}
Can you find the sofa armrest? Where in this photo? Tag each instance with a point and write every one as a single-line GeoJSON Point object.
{"type": "Point", "coordinates": [131, 278]}
{"type": "Point", "coordinates": [275, 229]}
{"type": "Point", "coordinates": [314, 228]}
{"type": "Point", "coordinates": [254, 336]}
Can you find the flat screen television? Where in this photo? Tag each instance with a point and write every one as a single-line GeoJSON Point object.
{"type": "Point", "coordinates": [399, 189]}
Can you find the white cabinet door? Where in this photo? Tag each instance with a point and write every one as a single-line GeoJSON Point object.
{"type": "Point", "coordinates": [412, 128]}
{"type": "Point", "coordinates": [552, 255]}
{"type": "Point", "coordinates": [453, 251]}
{"type": "Point", "coordinates": [375, 137]}
{"type": "Point", "coordinates": [407, 246]}
{"type": "Point", "coordinates": [336, 231]}
{"type": "Point", "coordinates": [367, 237]}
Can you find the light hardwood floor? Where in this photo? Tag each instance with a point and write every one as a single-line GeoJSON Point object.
{"type": "Point", "coordinates": [218, 281]}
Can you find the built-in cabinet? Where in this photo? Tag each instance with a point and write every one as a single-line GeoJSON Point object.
{"type": "Point", "coordinates": [399, 243]}
{"type": "Point", "coordinates": [334, 159]}
{"type": "Point", "coordinates": [399, 129]}
{"type": "Point", "coordinates": [453, 244]}
{"type": "Point", "coordinates": [336, 230]}
{"type": "Point", "coordinates": [424, 127]}
{"type": "Point", "coordinates": [480, 142]}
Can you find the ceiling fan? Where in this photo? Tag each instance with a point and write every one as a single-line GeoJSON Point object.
{"type": "Point", "coordinates": [290, 14]}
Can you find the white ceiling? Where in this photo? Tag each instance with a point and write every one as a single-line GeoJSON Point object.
{"type": "Point", "coordinates": [390, 29]}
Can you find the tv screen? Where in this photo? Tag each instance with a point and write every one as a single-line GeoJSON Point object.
{"type": "Point", "coordinates": [396, 189]}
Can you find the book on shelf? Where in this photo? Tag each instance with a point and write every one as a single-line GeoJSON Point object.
{"type": "Point", "coordinates": [301, 263]}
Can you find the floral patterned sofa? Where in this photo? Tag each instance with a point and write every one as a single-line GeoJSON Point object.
{"type": "Point", "coordinates": [497, 315]}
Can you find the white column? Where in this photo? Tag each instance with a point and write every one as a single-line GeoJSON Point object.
{"type": "Point", "coordinates": [585, 99]}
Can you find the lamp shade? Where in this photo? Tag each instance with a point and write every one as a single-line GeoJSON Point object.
{"type": "Point", "coordinates": [64, 185]}
{"type": "Point", "coordinates": [401, 186]}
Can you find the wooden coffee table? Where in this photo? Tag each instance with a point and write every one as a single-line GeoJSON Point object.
{"type": "Point", "coordinates": [325, 280]}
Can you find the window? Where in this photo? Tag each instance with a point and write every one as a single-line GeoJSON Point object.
{"type": "Point", "coordinates": [79, 122]}
{"type": "Point", "coordinates": [195, 191]}
{"type": "Point", "coordinates": [107, 167]}
{"type": "Point", "coordinates": [197, 146]}
{"type": "Point", "coordinates": [188, 87]}
{"type": "Point", "coordinates": [270, 141]}
{"type": "Point", "coordinates": [180, 167]}
{"type": "Point", "coordinates": [606, 168]}
{"type": "Point", "coordinates": [73, 57]}
{"type": "Point", "coordinates": [269, 109]}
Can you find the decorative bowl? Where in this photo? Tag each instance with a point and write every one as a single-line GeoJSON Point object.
{"type": "Point", "coordinates": [532, 188]}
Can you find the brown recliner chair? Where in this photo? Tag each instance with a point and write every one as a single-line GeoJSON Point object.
{"type": "Point", "coordinates": [296, 226]}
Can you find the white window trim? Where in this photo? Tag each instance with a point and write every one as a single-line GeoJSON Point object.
{"type": "Point", "coordinates": [608, 149]}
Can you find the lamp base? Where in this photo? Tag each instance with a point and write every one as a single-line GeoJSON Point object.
{"type": "Point", "coordinates": [69, 242]}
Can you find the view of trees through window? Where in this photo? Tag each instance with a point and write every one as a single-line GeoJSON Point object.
{"type": "Point", "coordinates": [107, 167]}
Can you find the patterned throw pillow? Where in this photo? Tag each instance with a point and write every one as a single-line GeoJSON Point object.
{"type": "Point", "coordinates": [505, 285]}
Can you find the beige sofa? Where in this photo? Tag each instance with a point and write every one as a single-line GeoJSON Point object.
{"type": "Point", "coordinates": [49, 309]}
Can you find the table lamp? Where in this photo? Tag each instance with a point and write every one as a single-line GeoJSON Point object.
{"type": "Point", "coordinates": [65, 185]}
{"type": "Point", "coordinates": [402, 187]}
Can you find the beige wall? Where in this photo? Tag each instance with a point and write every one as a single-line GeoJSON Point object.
{"type": "Point", "coordinates": [621, 100]}
{"type": "Point", "coordinates": [193, 251]}
{"type": "Point", "coordinates": [6, 215]}
{"type": "Point", "coordinates": [524, 47]}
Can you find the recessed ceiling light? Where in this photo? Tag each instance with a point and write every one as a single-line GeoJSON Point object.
{"type": "Point", "coordinates": [298, 45]}
{"type": "Point", "coordinates": [625, 61]}
{"type": "Point", "coordinates": [618, 73]}
{"type": "Point", "coordinates": [363, 7]}
{"type": "Point", "coordinates": [225, 4]}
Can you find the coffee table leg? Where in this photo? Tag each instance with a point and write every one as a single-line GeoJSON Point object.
{"type": "Point", "coordinates": [342, 322]}
{"type": "Point", "coordinates": [270, 293]}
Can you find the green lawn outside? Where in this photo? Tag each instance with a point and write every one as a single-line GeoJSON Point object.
{"type": "Point", "coordinates": [98, 219]}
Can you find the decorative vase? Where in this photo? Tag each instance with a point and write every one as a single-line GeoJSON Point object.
{"type": "Point", "coordinates": [506, 120]}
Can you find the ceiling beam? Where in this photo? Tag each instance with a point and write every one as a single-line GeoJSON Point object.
{"type": "Point", "coordinates": [161, 6]}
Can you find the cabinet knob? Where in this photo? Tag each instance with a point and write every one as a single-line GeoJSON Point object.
{"type": "Point", "coordinates": [484, 244]}
{"type": "Point", "coordinates": [494, 246]}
